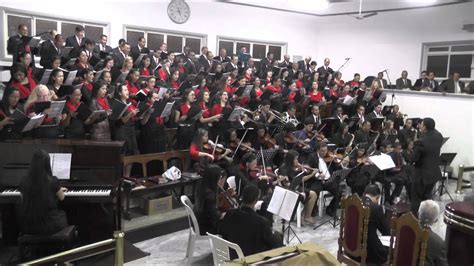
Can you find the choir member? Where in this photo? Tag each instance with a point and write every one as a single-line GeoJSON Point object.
{"type": "Point", "coordinates": [206, 118]}
{"type": "Point", "coordinates": [338, 79]}
{"type": "Point", "coordinates": [144, 66]}
{"type": "Point", "coordinates": [86, 77]}
{"type": "Point", "coordinates": [276, 97]}
{"type": "Point", "coordinates": [19, 43]}
{"type": "Point", "coordinates": [41, 192]}
{"type": "Point", "coordinates": [82, 62]}
{"type": "Point", "coordinates": [108, 63]}
{"type": "Point", "coordinates": [51, 50]}
{"type": "Point", "coordinates": [164, 71]}
{"type": "Point", "coordinates": [49, 127]}
{"type": "Point", "coordinates": [186, 124]}
{"type": "Point", "coordinates": [315, 95]}
{"type": "Point", "coordinates": [255, 94]}
{"type": "Point", "coordinates": [223, 108]}
{"type": "Point", "coordinates": [153, 136]}
{"type": "Point", "coordinates": [21, 81]}
{"type": "Point", "coordinates": [173, 82]}
{"type": "Point", "coordinates": [74, 127]}
{"type": "Point", "coordinates": [325, 70]}
{"type": "Point", "coordinates": [138, 49]}
{"type": "Point", "coordinates": [132, 83]}
{"type": "Point", "coordinates": [76, 41]}
{"type": "Point", "coordinates": [8, 105]}
{"type": "Point", "coordinates": [355, 82]}
{"type": "Point", "coordinates": [121, 54]}
{"type": "Point", "coordinates": [56, 80]}
{"type": "Point", "coordinates": [102, 45]}
{"type": "Point", "coordinates": [100, 130]}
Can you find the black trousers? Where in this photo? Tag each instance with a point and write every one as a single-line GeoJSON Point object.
{"type": "Point", "coordinates": [420, 192]}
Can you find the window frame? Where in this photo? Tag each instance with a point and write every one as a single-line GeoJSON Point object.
{"type": "Point", "coordinates": [235, 40]}
{"type": "Point", "coordinates": [425, 53]}
{"type": "Point", "coordinates": [165, 33]}
{"type": "Point", "coordinates": [5, 12]}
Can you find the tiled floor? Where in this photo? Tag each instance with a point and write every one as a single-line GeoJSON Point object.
{"type": "Point", "coordinates": [171, 249]}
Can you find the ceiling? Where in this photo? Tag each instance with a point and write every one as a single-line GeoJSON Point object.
{"type": "Point", "coordinates": [340, 7]}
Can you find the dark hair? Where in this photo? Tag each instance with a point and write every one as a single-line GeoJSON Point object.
{"type": "Point", "coordinates": [21, 26]}
{"type": "Point", "coordinates": [53, 74]}
{"type": "Point", "coordinates": [97, 85]}
{"type": "Point", "coordinates": [290, 157]}
{"type": "Point", "coordinates": [197, 138]}
{"type": "Point", "coordinates": [88, 41]}
{"type": "Point", "coordinates": [313, 63]}
{"type": "Point", "coordinates": [122, 41]}
{"type": "Point", "coordinates": [265, 102]}
{"type": "Point", "coordinates": [289, 127]}
{"type": "Point", "coordinates": [17, 67]}
{"type": "Point", "coordinates": [308, 121]}
{"type": "Point", "coordinates": [84, 72]}
{"type": "Point", "coordinates": [248, 157]}
{"type": "Point", "coordinates": [79, 28]}
{"type": "Point", "coordinates": [4, 104]}
{"type": "Point", "coordinates": [356, 74]}
{"type": "Point", "coordinates": [429, 123]}
{"type": "Point", "coordinates": [141, 38]}
{"type": "Point", "coordinates": [342, 126]}
{"type": "Point", "coordinates": [396, 144]}
{"type": "Point", "coordinates": [35, 187]}
{"type": "Point", "coordinates": [130, 73]}
{"type": "Point", "coordinates": [372, 190]}
{"type": "Point", "coordinates": [107, 59]}
{"type": "Point", "coordinates": [250, 194]}
{"type": "Point", "coordinates": [102, 36]}
{"type": "Point", "coordinates": [385, 143]}
{"type": "Point", "coordinates": [118, 90]}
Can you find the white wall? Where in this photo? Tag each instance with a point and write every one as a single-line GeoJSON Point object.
{"type": "Point", "coordinates": [389, 40]}
{"type": "Point", "coordinates": [454, 117]}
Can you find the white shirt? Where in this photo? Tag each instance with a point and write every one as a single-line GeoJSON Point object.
{"type": "Point", "coordinates": [78, 40]}
{"type": "Point", "coordinates": [457, 89]}
{"type": "Point", "coordinates": [323, 168]}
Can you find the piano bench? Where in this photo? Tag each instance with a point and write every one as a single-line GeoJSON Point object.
{"type": "Point", "coordinates": [36, 246]}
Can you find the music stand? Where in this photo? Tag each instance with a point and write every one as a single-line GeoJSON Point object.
{"type": "Point", "coordinates": [340, 175]}
{"type": "Point", "coordinates": [445, 159]}
{"type": "Point", "coordinates": [283, 203]}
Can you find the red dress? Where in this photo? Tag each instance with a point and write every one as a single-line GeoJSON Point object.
{"type": "Point", "coordinates": [315, 97]}
{"type": "Point", "coordinates": [163, 74]}
{"type": "Point", "coordinates": [299, 84]}
{"type": "Point", "coordinates": [145, 72]}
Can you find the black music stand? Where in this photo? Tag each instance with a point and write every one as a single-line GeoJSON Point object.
{"type": "Point", "coordinates": [445, 159]}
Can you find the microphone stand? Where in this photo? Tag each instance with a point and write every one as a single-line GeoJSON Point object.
{"type": "Point", "coordinates": [344, 64]}
{"type": "Point", "coordinates": [390, 85]}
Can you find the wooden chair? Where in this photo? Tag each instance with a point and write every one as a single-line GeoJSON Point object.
{"type": "Point", "coordinates": [353, 231]}
{"type": "Point", "coordinates": [164, 157]}
{"type": "Point", "coordinates": [410, 241]}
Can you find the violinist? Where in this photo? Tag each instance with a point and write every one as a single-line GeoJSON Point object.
{"type": "Point", "coordinates": [407, 133]}
{"type": "Point", "coordinates": [360, 176]}
{"type": "Point", "coordinates": [263, 139]}
{"type": "Point", "coordinates": [342, 138]}
{"type": "Point", "coordinates": [400, 175]}
{"type": "Point", "coordinates": [200, 148]}
{"type": "Point", "coordinates": [363, 134]}
{"type": "Point", "coordinates": [389, 132]}
{"type": "Point", "coordinates": [307, 135]}
{"type": "Point", "coordinates": [286, 140]}
{"type": "Point", "coordinates": [323, 180]}
{"type": "Point", "coordinates": [233, 143]}
{"type": "Point", "coordinates": [296, 178]}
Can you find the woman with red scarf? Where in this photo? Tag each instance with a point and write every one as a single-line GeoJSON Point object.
{"type": "Point", "coordinates": [248, 75]}
{"type": "Point", "coordinates": [25, 58]}
{"type": "Point", "coordinates": [21, 81]}
{"type": "Point", "coordinates": [338, 79]}
{"type": "Point", "coordinates": [74, 127]}
{"type": "Point", "coordinates": [206, 118]}
{"type": "Point", "coordinates": [184, 117]}
{"type": "Point", "coordinates": [173, 82]}
{"type": "Point", "coordinates": [144, 67]}
{"type": "Point", "coordinates": [152, 137]}
{"type": "Point", "coordinates": [132, 83]}
{"type": "Point", "coordinates": [315, 95]}
{"type": "Point", "coordinates": [255, 94]}
{"type": "Point", "coordinates": [100, 130]}
{"type": "Point", "coordinates": [87, 77]}
{"type": "Point", "coordinates": [275, 98]}
{"type": "Point", "coordinates": [223, 108]}
{"type": "Point", "coordinates": [299, 79]}
{"type": "Point", "coordinates": [49, 127]}
{"type": "Point", "coordinates": [164, 71]}
{"type": "Point", "coordinates": [201, 85]}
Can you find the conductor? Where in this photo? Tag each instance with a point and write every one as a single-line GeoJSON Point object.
{"type": "Point", "coordinates": [426, 160]}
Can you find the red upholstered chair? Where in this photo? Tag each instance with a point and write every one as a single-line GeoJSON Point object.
{"type": "Point", "coordinates": [353, 231]}
{"type": "Point", "coordinates": [410, 241]}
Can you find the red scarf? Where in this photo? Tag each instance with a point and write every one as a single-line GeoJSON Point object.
{"type": "Point", "coordinates": [102, 101]}
{"type": "Point", "coordinates": [205, 110]}
{"type": "Point", "coordinates": [25, 90]}
{"type": "Point", "coordinates": [145, 72]}
{"type": "Point", "coordinates": [72, 107]}
{"type": "Point", "coordinates": [88, 86]}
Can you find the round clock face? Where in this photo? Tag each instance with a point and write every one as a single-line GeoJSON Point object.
{"type": "Point", "coordinates": [179, 11]}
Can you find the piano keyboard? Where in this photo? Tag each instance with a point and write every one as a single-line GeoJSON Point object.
{"type": "Point", "coordinates": [70, 193]}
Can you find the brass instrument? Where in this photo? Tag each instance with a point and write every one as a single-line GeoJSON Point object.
{"type": "Point", "coordinates": [349, 146]}
{"type": "Point", "coordinates": [287, 119]}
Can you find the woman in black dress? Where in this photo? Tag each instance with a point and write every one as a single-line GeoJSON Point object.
{"type": "Point", "coordinates": [74, 126]}
{"type": "Point", "coordinates": [8, 106]}
{"type": "Point", "coordinates": [40, 194]}
{"type": "Point", "coordinates": [153, 135]}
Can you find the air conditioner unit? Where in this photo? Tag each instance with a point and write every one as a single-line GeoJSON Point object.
{"type": "Point", "coordinates": [468, 27]}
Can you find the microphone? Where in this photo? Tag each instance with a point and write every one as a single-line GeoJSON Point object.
{"type": "Point", "coordinates": [348, 58]}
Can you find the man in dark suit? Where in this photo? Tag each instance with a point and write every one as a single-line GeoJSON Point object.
{"type": "Point", "coordinates": [430, 82]}
{"type": "Point", "coordinates": [222, 57]}
{"type": "Point", "coordinates": [50, 50]}
{"type": "Point", "coordinates": [303, 65]}
{"type": "Point", "coordinates": [426, 159]}
{"type": "Point", "coordinates": [102, 46]}
{"type": "Point", "coordinates": [435, 249]}
{"type": "Point", "coordinates": [376, 252]}
{"type": "Point", "coordinates": [265, 64]}
{"type": "Point", "coordinates": [315, 116]}
{"type": "Point", "coordinates": [202, 58]}
{"type": "Point", "coordinates": [138, 49]}
{"type": "Point", "coordinates": [20, 43]}
{"type": "Point", "coordinates": [452, 85]}
{"type": "Point", "coordinates": [403, 82]}
{"type": "Point", "coordinates": [382, 82]}
{"type": "Point", "coordinates": [325, 70]}
{"type": "Point", "coordinates": [206, 64]}
{"type": "Point", "coordinates": [232, 65]}
{"type": "Point", "coordinates": [419, 82]}
{"type": "Point", "coordinates": [312, 69]}
{"type": "Point", "coordinates": [252, 232]}
{"type": "Point", "coordinates": [76, 41]}
{"type": "Point", "coordinates": [363, 134]}
{"type": "Point", "coordinates": [119, 56]}
{"type": "Point", "coordinates": [286, 62]}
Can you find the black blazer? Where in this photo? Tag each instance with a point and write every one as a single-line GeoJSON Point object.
{"type": "Point", "coordinates": [323, 72]}
{"type": "Point", "coordinates": [72, 42]}
{"type": "Point", "coordinates": [448, 86]}
{"type": "Point", "coordinates": [384, 83]}
{"type": "Point", "coordinates": [427, 83]}
{"type": "Point", "coordinates": [118, 59]}
{"type": "Point", "coordinates": [229, 67]}
{"type": "Point", "coordinates": [48, 52]}
{"type": "Point", "coordinates": [400, 85]}
{"type": "Point", "coordinates": [435, 251]}
{"type": "Point", "coordinates": [252, 232]}
{"type": "Point", "coordinates": [135, 52]}
{"type": "Point", "coordinates": [222, 60]}
{"type": "Point", "coordinates": [108, 49]}
{"type": "Point", "coordinates": [206, 211]}
{"type": "Point", "coordinates": [376, 252]}
{"type": "Point", "coordinates": [426, 157]}
{"type": "Point", "coordinates": [303, 66]}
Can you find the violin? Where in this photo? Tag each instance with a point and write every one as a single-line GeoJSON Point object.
{"type": "Point", "coordinates": [267, 141]}
{"type": "Point", "coordinates": [333, 158]}
{"type": "Point", "coordinates": [259, 171]}
{"type": "Point", "coordinates": [291, 139]}
{"type": "Point", "coordinates": [226, 200]}
{"type": "Point", "coordinates": [305, 168]}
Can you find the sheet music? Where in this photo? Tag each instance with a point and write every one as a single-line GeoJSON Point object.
{"type": "Point", "coordinates": [162, 91]}
{"type": "Point", "coordinates": [247, 91]}
{"type": "Point", "coordinates": [288, 206]}
{"type": "Point", "coordinates": [383, 161]}
{"type": "Point", "coordinates": [235, 114]}
{"type": "Point", "coordinates": [386, 240]}
{"type": "Point", "coordinates": [347, 100]}
{"type": "Point", "coordinates": [34, 122]}
{"type": "Point", "coordinates": [56, 108]}
{"type": "Point", "coordinates": [70, 78]}
{"type": "Point", "coordinates": [45, 77]}
{"type": "Point", "coordinates": [277, 200]}
{"type": "Point", "coordinates": [61, 165]}
{"type": "Point", "coordinates": [167, 110]}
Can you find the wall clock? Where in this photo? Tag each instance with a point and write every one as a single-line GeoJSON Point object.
{"type": "Point", "coordinates": [179, 11]}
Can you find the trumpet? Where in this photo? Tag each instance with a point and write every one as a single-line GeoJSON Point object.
{"type": "Point", "coordinates": [277, 115]}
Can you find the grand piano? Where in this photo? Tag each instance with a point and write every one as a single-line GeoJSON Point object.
{"type": "Point", "coordinates": [93, 198]}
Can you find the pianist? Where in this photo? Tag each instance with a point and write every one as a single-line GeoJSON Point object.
{"type": "Point", "coordinates": [40, 194]}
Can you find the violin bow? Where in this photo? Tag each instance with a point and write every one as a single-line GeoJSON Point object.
{"type": "Point", "coordinates": [240, 142]}
{"type": "Point", "coordinates": [263, 161]}
{"type": "Point", "coordinates": [215, 146]}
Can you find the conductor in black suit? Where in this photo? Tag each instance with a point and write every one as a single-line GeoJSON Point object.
{"type": "Point", "coordinates": [426, 160]}
{"type": "Point", "coordinates": [452, 85]}
{"type": "Point", "coordinates": [138, 49]}
{"type": "Point", "coordinates": [252, 232]}
{"type": "Point", "coordinates": [435, 248]}
{"type": "Point", "coordinates": [376, 252]}
{"type": "Point", "coordinates": [403, 82]}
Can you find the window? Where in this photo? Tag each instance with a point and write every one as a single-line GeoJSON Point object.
{"type": "Point", "coordinates": [447, 58]}
{"type": "Point", "coordinates": [257, 49]}
{"type": "Point", "coordinates": [39, 23]}
{"type": "Point", "coordinates": [174, 40]}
